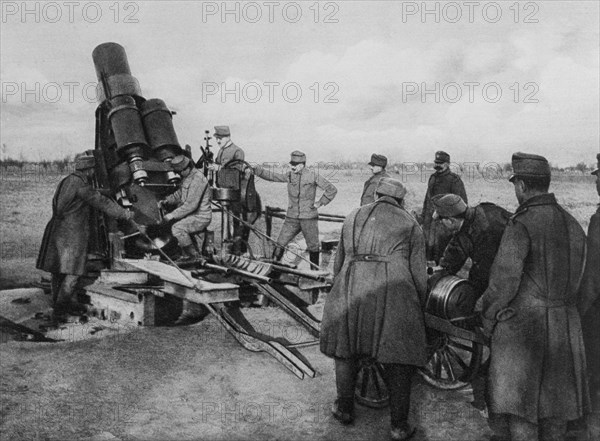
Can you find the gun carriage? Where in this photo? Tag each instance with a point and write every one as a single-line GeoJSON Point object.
{"type": "Point", "coordinates": [135, 270]}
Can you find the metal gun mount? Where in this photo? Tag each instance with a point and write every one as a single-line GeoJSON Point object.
{"type": "Point", "coordinates": [135, 143]}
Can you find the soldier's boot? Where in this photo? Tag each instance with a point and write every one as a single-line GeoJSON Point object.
{"type": "Point", "coordinates": [278, 253]}
{"type": "Point", "coordinates": [191, 313]}
{"type": "Point", "coordinates": [314, 259]}
{"type": "Point", "coordinates": [239, 246]}
{"type": "Point", "coordinates": [189, 252]}
{"type": "Point", "coordinates": [343, 410]}
{"type": "Point", "coordinates": [402, 433]}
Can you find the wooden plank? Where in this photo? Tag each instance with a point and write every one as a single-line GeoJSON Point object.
{"type": "Point", "coordinates": [123, 277]}
{"type": "Point", "coordinates": [24, 330]}
{"type": "Point", "coordinates": [255, 344]}
{"type": "Point", "coordinates": [109, 291]}
{"type": "Point", "coordinates": [169, 273]}
{"type": "Point", "coordinates": [312, 326]}
{"type": "Point", "coordinates": [130, 309]}
{"type": "Point", "coordinates": [161, 270]}
{"type": "Point", "coordinates": [204, 297]}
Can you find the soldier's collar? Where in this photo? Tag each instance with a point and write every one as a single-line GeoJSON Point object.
{"type": "Point", "coordinates": [81, 175]}
{"type": "Point", "coordinates": [388, 200]}
{"type": "Point", "coordinates": [535, 201]}
{"type": "Point", "coordinates": [540, 199]}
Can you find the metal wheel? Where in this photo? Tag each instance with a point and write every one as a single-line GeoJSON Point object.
{"type": "Point", "coordinates": [453, 362]}
{"type": "Point", "coordinates": [371, 390]}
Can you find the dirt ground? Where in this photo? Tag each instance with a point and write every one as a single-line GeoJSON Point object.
{"type": "Point", "coordinates": [194, 383]}
{"type": "Point", "coordinates": [109, 382]}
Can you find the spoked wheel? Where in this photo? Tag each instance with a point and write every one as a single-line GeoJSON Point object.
{"type": "Point", "coordinates": [371, 390]}
{"type": "Point", "coordinates": [453, 361]}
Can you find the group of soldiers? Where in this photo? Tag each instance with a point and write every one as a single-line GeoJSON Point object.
{"type": "Point", "coordinates": [534, 276]}
{"type": "Point", "coordinates": [536, 284]}
{"type": "Point", "coordinates": [188, 212]}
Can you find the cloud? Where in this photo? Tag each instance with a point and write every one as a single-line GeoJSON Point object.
{"type": "Point", "coordinates": [365, 63]}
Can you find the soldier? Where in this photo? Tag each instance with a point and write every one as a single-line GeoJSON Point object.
{"type": "Point", "coordinates": [374, 308]}
{"type": "Point", "coordinates": [443, 181]}
{"type": "Point", "coordinates": [65, 243]}
{"type": "Point", "coordinates": [192, 216]}
{"type": "Point", "coordinates": [378, 164]}
{"type": "Point", "coordinates": [302, 214]}
{"type": "Point", "coordinates": [228, 152]}
{"type": "Point", "coordinates": [590, 301]}
{"type": "Point", "coordinates": [537, 374]}
{"type": "Point", "coordinates": [193, 212]}
{"type": "Point", "coordinates": [477, 232]}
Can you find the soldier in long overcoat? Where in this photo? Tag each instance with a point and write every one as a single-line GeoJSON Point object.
{"type": "Point", "coordinates": [537, 376]}
{"type": "Point", "coordinates": [378, 164]}
{"type": "Point", "coordinates": [302, 214]}
{"type": "Point", "coordinates": [374, 308]}
{"type": "Point", "coordinates": [589, 303]}
{"type": "Point", "coordinates": [443, 181]}
{"type": "Point", "coordinates": [65, 243]}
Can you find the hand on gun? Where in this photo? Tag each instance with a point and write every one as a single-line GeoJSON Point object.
{"type": "Point", "coordinates": [141, 228]}
{"type": "Point", "coordinates": [435, 275]}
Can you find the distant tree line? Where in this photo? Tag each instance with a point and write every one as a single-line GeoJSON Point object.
{"type": "Point", "coordinates": [57, 164]}
{"type": "Point", "coordinates": [61, 165]}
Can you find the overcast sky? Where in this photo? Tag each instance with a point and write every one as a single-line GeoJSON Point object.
{"type": "Point", "coordinates": [338, 80]}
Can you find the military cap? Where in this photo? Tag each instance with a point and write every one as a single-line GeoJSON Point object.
{"type": "Point", "coordinates": [448, 205]}
{"type": "Point", "coordinates": [298, 156]}
{"type": "Point", "coordinates": [595, 172]}
{"type": "Point", "coordinates": [391, 187]}
{"type": "Point", "coordinates": [527, 165]}
{"type": "Point", "coordinates": [221, 131]}
{"type": "Point", "coordinates": [379, 160]}
{"type": "Point", "coordinates": [180, 162]}
{"type": "Point", "coordinates": [441, 157]}
{"type": "Point", "coordinates": [84, 162]}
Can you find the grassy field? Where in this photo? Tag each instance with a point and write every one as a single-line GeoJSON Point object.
{"type": "Point", "coordinates": [26, 201]}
